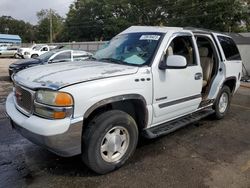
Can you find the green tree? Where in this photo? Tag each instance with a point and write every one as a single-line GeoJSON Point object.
{"type": "Point", "coordinates": [97, 19]}
{"type": "Point", "coordinates": [43, 27]}
{"type": "Point", "coordinates": [17, 27]}
{"type": "Point", "coordinates": [221, 15]}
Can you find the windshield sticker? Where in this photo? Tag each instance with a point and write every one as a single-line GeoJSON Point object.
{"type": "Point", "coordinates": [150, 37]}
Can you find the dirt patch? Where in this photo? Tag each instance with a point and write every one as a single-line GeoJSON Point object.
{"type": "Point", "coordinates": [235, 174]}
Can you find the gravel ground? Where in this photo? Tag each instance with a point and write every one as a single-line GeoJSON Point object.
{"type": "Point", "coordinates": [205, 154]}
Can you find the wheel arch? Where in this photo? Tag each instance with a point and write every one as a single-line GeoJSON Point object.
{"type": "Point", "coordinates": [133, 104]}
{"type": "Point", "coordinates": [231, 83]}
{"type": "Point", "coordinates": [34, 55]}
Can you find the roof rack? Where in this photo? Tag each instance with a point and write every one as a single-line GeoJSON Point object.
{"type": "Point", "coordinates": [201, 30]}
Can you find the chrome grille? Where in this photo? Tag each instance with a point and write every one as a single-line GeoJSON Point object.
{"type": "Point", "coordinates": [24, 99]}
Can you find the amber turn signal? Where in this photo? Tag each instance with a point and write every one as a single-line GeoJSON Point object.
{"type": "Point", "coordinates": [63, 99]}
{"type": "Point", "coordinates": [59, 115]}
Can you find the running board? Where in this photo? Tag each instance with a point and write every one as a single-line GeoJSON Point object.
{"type": "Point", "coordinates": [173, 125]}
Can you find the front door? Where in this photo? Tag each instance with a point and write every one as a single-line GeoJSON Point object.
{"type": "Point", "coordinates": [177, 92]}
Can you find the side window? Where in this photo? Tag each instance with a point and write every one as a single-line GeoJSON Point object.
{"type": "Point", "coordinates": [229, 48]}
{"type": "Point", "coordinates": [79, 57]}
{"type": "Point", "coordinates": [62, 56]}
{"type": "Point", "coordinates": [183, 45]}
{"type": "Point", "coordinates": [45, 49]}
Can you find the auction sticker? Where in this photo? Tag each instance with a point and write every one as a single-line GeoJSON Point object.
{"type": "Point", "coordinates": [150, 37]}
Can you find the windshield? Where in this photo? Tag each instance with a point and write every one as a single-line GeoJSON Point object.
{"type": "Point", "coordinates": [45, 57]}
{"type": "Point", "coordinates": [37, 47]}
{"type": "Point", "coordinates": [133, 48]}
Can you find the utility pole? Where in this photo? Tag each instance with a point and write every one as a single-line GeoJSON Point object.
{"type": "Point", "coordinates": [6, 30]}
{"type": "Point", "coordinates": [51, 29]}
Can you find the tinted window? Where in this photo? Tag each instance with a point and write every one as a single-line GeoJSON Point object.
{"type": "Point", "coordinates": [44, 49]}
{"type": "Point", "coordinates": [63, 56]}
{"type": "Point", "coordinates": [229, 47]}
{"type": "Point", "coordinates": [183, 46]}
{"type": "Point", "coordinates": [78, 57]}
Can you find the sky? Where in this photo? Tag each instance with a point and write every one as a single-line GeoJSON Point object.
{"type": "Point", "coordinates": [26, 9]}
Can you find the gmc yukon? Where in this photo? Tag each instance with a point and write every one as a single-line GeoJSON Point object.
{"type": "Point", "coordinates": [146, 81]}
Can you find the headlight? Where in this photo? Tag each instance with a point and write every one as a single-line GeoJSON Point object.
{"type": "Point", "coordinates": [53, 104]}
{"type": "Point", "coordinates": [26, 53]}
{"type": "Point", "coordinates": [54, 98]}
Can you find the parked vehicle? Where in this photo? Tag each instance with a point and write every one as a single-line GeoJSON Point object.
{"type": "Point", "coordinates": [4, 46]}
{"type": "Point", "coordinates": [37, 51]}
{"type": "Point", "coordinates": [9, 52]}
{"type": "Point", "coordinates": [148, 80]}
{"type": "Point", "coordinates": [21, 51]}
{"type": "Point", "coordinates": [55, 56]}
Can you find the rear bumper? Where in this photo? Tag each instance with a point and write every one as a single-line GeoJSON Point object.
{"type": "Point", "coordinates": [62, 137]}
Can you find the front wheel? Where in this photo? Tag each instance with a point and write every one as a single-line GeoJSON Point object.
{"type": "Point", "coordinates": [109, 141]}
{"type": "Point", "coordinates": [222, 103]}
{"type": "Point", "coordinates": [34, 56]}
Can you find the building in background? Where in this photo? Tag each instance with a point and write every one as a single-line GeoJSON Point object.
{"type": "Point", "coordinates": [243, 42]}
{"type": "Point", "coordinates": [13, 39]}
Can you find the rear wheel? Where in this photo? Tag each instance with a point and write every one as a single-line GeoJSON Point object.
{"type": "Point", "coordinates": [109, 141]}
{"type": "Point", "coordinates": [222, 103]}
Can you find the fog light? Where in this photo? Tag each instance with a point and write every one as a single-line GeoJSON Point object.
{"type": "Point", "coordinates": [59, 115]}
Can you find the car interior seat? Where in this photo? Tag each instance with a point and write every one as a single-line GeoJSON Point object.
{"type": "Point", "coordinates": [170, 51]}
{"type": "Point", "coordinates": [206, 65]}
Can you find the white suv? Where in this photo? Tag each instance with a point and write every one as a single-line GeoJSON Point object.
{"type": "Point", "coordinates": [148, 80]}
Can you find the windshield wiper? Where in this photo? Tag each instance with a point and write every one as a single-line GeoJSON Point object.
{"type": "Point", "coordinates": [113, 60]}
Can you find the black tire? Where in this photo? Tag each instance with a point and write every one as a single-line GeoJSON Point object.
{"type": "Point", "coordinates": [16, 56]}
{"type": "Point", "coordinates": [95, 134]}
{"type": "Point", "coordinates": [219, 114]}
{"type": "Point", "coordinates": [34, 56]}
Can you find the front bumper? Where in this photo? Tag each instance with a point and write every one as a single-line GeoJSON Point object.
{"type": "Point", "coordinates": [62, 137]}
{"type": "Point", "coordinates": [26, 56]}
{"type": "Point", "coordinates": [19, 54]}
{"type": "Point", "coordinates": [11, 72]}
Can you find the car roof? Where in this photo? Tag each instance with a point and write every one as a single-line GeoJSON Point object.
{"type": "Point", "coordinates": [65, 50]}
{"type": "Point", "coordinates": [158, 29]}
{"type": "Point", "coordinates": [162, 29]}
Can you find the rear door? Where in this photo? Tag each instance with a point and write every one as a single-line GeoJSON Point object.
{"type": "Point", "coordinates": [177, 92]}
{"type": "Point", "coordinates": [231, 57]}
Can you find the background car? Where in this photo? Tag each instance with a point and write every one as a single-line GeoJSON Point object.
{"type": "Point", "coordinates": [4, 46]}
{"type": "Point", "coordinates": [9, 52]}
{"type": "Point", "coordinates": [55, 56]}
{"type": "Point", "coordinates": [36, 51]}
{"type": "Point", "coordinates": [21, 51]}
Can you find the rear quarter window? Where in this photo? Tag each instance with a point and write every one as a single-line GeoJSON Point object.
{"type": "Point", "coordinates": [229, 48]}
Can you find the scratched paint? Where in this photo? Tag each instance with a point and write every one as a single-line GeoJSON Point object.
{"type": "Point", "coordinates": [60, 75]}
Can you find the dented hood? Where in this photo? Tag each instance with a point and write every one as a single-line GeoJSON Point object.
{"type": "Point", "coordinates": [56, 76]}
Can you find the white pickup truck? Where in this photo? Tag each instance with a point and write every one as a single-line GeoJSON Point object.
{"type": "Point", "coordinates": [21, 51]}
{"type": "Point", "coordinates": [147, 80]}
{"type": "Point", "coordinates": [38, 50]}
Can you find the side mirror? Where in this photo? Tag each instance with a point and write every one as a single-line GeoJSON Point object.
{"type": "Point", "coordinates": [174, 62]}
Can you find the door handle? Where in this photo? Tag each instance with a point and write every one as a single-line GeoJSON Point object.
{"type": "Point", "coordinates": [198, 76]}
